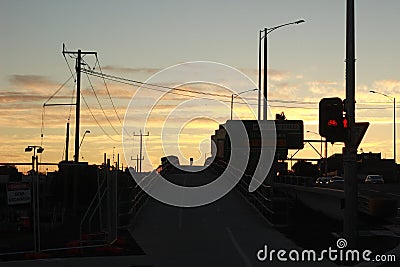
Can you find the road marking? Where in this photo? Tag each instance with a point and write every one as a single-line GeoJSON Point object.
{"type": "Point", "coordinates": [238, 248]}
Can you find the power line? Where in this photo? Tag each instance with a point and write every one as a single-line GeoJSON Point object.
{"type": "Point", "coordinates": [101, 107]}
{"type": "Point", "coordinates": [91, 113]}
{"type": "Point", "coordinates": [108, 92]}
{"type": "Point", "coordinates": [58, 90]}
{"type": "Point", "coordinates": [70, 70]}
{"type": "Point", "coordinates": [44, 105]}
{"type": "Point", "coordinates": [156, 87]}
{"type": "Point", "coordinates": [138, 83]}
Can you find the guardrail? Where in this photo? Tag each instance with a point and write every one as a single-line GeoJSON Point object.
{"type": "Point", "coordinates": [273, 207]}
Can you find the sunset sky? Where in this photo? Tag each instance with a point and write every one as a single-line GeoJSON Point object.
{"type": "Point", "coordinates": [138, 39]}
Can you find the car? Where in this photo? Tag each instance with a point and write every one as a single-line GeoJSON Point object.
{"type": "Point", "coordinates": [322, 180]}
{"type": "Point", "coordinates": [336, 180]}
{"type": "Point", "coordinates": [374, 179]}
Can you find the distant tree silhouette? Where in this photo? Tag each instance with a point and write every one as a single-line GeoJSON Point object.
{"type": "Point", "coordinates": [303, 168]}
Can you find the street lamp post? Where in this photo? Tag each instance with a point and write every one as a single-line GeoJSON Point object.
{"type": "Point", "coordinates": [236, 95]}
{"type": "Point", "coordinates": [35, 195]}
{"type": "Point", "coordinates": [80, 144]}
{"type": "Point", "coordinates": [394, 120]}
{"type": "Point", "coordinates": [266, 31]}
{"type": "Point", "coordinates": [83, 137]}
{"type": "Point", "coordinates": [35, 149]}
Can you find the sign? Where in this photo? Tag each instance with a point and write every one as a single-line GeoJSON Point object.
{"type": "Point", "coordinates": [289, 134]}
{"type": "Point", "coordinates": [18, 193]}
{"type": "Point", "coordinates": [361, 129]}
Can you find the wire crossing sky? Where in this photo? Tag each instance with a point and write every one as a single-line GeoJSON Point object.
{"type": "Point", "coordinates": [137, 39]}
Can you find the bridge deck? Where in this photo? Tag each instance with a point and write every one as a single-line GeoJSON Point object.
{"type": "Point", "coordinates": [228, 232]}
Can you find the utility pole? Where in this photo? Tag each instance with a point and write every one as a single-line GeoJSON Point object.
{"type": "Point", "coordinates": [350, 227]}
{"type": "Point", "coordinates": [78, 104]}
{"type": "Point", "coordinates": [141, 158]}
{"type": "Point", "coordinates": [326, 158]}
{"type": "Point", "coordinates": [265, 74]}
{"type": "Point", "coordinates": [137, 162]}
{"type": "Point", "coordinates": [67, 143]}
{"type": "Point", "coordinates": [259, 76]}
{"type": "Point", "coordinates": [78, 55]}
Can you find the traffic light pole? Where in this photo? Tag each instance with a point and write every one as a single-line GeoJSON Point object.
{"type": "Point", "coordinates": [350, 227]}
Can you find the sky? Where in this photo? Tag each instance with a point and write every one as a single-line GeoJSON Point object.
{"type": "Point", "coordinates": [139, 40]}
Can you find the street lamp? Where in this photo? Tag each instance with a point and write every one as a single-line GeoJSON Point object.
{"type": "Point", "coordinates": [35, 149]}
{"type": "Point", "coordinates": [35, 195]}
{"type": "Point", "coordinates": [236, 95]}
{"type": "Point", "coordinates": [266, 31]}
{"type": "Point", "coordinates": [83, 137]}
{"type": "Point", "coordinates": [394, 120]}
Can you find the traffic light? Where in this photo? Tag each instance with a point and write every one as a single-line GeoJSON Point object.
{"type": "Point", "coordinates": [333, 124]}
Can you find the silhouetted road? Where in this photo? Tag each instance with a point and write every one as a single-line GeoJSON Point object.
{"type": "Point", "coordinates": [228, 232]}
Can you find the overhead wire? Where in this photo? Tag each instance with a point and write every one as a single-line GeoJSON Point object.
{"type": "Point", "coordinates": [44, 111]}
{"type": "Point", "coordinates": [100, 105]}
{"type": "Point", "coordinates": [108, 92]}
{"type": "Point", "coordinates": [70, 70]}
{"type": "Point", "coordinates": [156, 87]}
{"type": "Point", "coordinates": [91, 113]}
{"type": "Point", "coordinates": [137, 83]}
{"type": "Point", "coordinates": [58, 90]}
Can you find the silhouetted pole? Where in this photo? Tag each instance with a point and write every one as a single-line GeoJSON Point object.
{"type": "Point", "coordinates": [232, 106]}
{"type": "Point", "coordinates": [78, 95]}
{"type": "Point", "coordinates": [259, 76]}
{"type": "Point", "coordinates": [137, 162]}
{"type": "Point", "coordinates": [326, 158]}
{"type": "Point", "coordinates": [141, 148]}
{"type": "Point", "coordinates": [350, 227]}
{"type": "Point", "coordinates": [78, 104]}
{"type": "Point", "coordinates": [394, 121]}
{"type": "Point", "coordinates": [238, 94]}
{"type": "Point", "coordinates": [266, 32]}
{"type": "Point", "coordinates": [67, 143]}
{"type": "Point", "coordinates": [394, 130]}
{"type": "Point", "coordinates": [265, 74]}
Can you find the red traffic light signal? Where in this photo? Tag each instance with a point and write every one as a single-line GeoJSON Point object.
{"type": "Point", "coordinates": [333, 124]}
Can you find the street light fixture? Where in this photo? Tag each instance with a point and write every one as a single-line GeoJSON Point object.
{"type": "Point", "coordinates": [35, 149]}
{"type": "Point", "coordinates": [236, 95]}
{"type": "Point", "coordinates": [83, 137]}
{"type": "Point", "coordinates": [394, 120]}
{"type": "Point", "coordinates": [266, 31]}
{"type": "Point", "coordinates": [35, 195]}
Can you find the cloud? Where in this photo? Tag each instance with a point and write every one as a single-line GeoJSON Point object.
{"type": "Point", "coordinates": [387, 86]}
{"type": "Point", "coordinates": [22, 96]}
{"type": "Point", "coordinates": [325, 88]}
{"type": "Point", "coordinates": [128, 69]}
{"type": "Point", "coordinates": [278, 75]}
{"type": "Point", "coordinates": [31, 81]}
{"type": "Point", "coordinates": [273, 74]}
